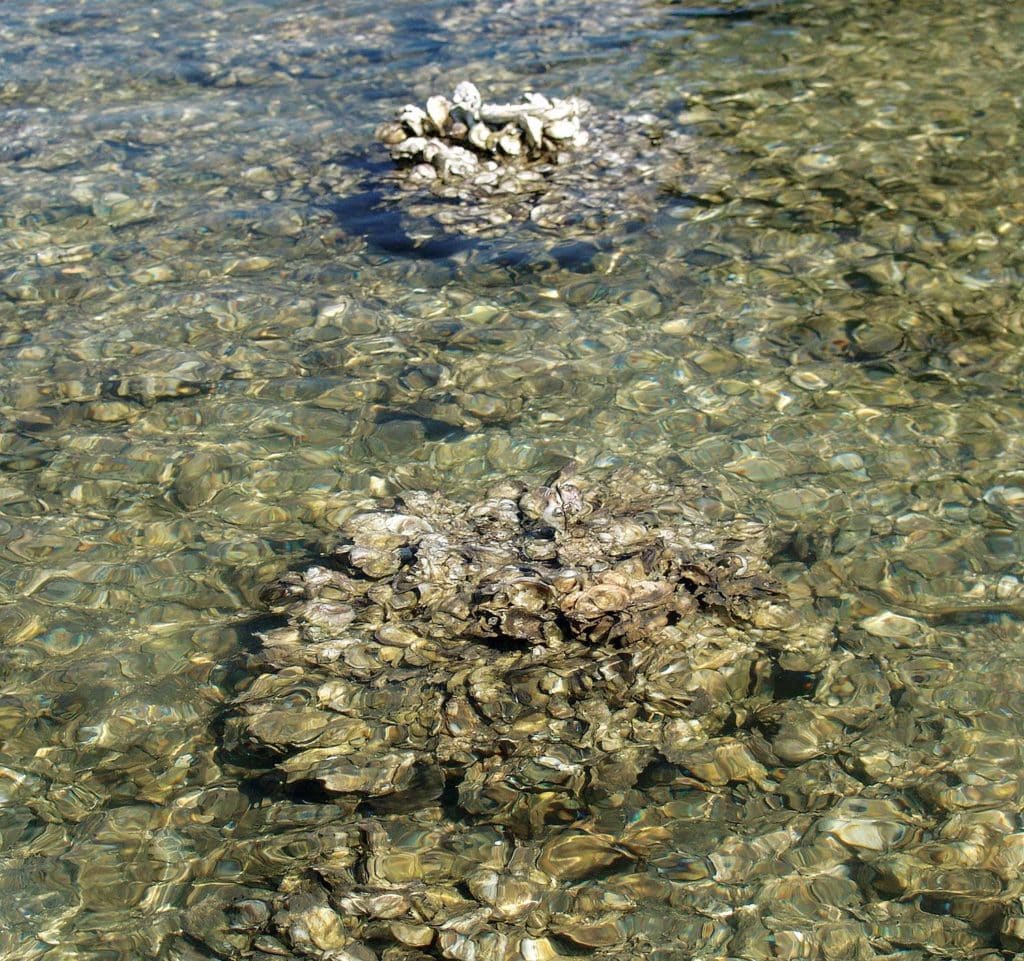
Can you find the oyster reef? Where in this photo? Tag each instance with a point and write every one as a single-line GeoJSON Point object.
{"type": "Point", "coordinates": [525, 661]}
{"type": "Point", "coordinates": [557, 163]}
{"type": "Point", "coordinates": [580, 718]}
{"type": "Point", "coordinates": [465, 137]}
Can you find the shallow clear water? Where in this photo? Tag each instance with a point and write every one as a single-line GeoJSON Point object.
{"type": "Point", "coordinates": [216, 340]}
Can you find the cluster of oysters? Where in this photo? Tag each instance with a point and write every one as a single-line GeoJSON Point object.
{"type": "Point", "coordinates": [467, 138]}
{"type": "Point", "coordinates": [476, 694]}
{"type": "Point", "coordinates": [497, 164]}
{"type": "Point", "coordinates": [583, 719]}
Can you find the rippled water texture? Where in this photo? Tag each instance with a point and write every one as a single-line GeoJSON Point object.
{"type": "Point", "coordinates": [219, 338]}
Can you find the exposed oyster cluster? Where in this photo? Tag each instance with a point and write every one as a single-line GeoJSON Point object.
{"type": "Point", "coordinates": [478, 690]}
{"type": "Point", "coordinates": [533, 160]}
{"type": "Point", "coordinates": [467, 138]}
{"type": "Point", "coordinates": [499, 164]}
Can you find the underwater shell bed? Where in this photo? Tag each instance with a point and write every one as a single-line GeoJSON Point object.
{"type": "Point", "coordinates": [708, 448]}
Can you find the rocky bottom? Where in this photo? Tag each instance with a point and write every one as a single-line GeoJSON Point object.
{"type": "Point", "coordinates": [586, 720]}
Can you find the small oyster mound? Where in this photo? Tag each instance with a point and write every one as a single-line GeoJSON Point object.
{"type": "Point", "coordinates": [552, 566]}
{"type": "Point", "coordinates": [465, 137]}
{"type": "Point", "coordinates": [526, 661]}
{"type": "Point", "coordinates": [532, 161]}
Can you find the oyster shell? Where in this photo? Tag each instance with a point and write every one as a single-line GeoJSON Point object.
{"type": "Point", "coordinates": [438, 109]}
{"type": "Point", "coordinates": [414, 119]}
{"type": "Point", "coordinates": [468, 98]}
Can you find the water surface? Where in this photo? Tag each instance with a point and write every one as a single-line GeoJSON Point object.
{"type": "Point", "coordinates": [216, 340]}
